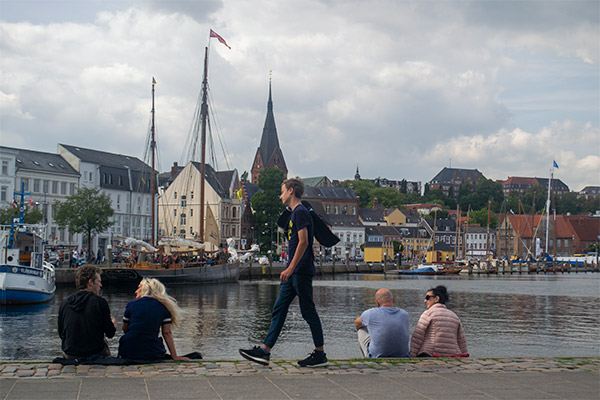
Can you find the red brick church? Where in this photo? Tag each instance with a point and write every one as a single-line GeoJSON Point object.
{"type": "Point", "coordinates": [269, 153]}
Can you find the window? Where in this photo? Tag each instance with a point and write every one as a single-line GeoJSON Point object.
{"type": "Point", "coordinates": [337, 209]}
{"type": "Point", "coordinates": [105, 178]}
{"type": "Point", "coordinates": [192, 195]}
{"type": "Point", "coordinates": [345, 210]}
{"type": "Point", "coordinates": [175, 195]}
{"type": "Point", "coordinates": [4, 167]}
{"type": "Point", "coordinates": [36, 185]}
{"type": "Point", "coordinates": [232, 212]}
{"type": "Point", "coordinates": [327, 209]}
{"type": "Point", "coordinates": [25, 184]}
{"type": "Point", "coordinates": [191, 230]}
{"type": "Point", "coordinates": [182, 219]}
{"type": "Point", "coordinates": [63, 188]}
{"type": "Point", "coordinates": [175, 212]}
{"type": "Point", "coordinates": [183, 201]}
{"type": "Point", "coordinates": [120, 180]}
{"type": "Point", "coordinates": [233, 230]}
{"type": "Point", "coordinates": [71, 188]}
{"type": "Point", "coordinates": [91, 179]}
{"type": "Point", "coordinates": [54, 187]}
{"type": "Point", "coordinates": [191, 212]}
{"type": "Point", "coordinates": [3, 191]}
{"type": "Point", "coordinates": [118, 201]}
{"type": "Point", "coordinates": [353, 210]}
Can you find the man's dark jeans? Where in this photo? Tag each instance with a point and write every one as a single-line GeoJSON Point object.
{"type": "Point", "coordinates": [297, 285]}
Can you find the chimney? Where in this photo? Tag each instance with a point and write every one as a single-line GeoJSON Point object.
{"type": "Point", "coordinates": [374, 202]}
{"type": "Point", "coordinates": [174, 169]}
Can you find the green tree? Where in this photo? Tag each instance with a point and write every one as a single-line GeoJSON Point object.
{"type": "Point", "coordinates": [86, 211]}
{"type": "Point", "coordinates": [363, 188]}
{"type": "Point", "coordinates": [32, 215]}
{"type": "Point", "coordinates": [488, 190]}
{"type": "Point", "coordinates": [481, 217]}
{"type": "Point", "coordinates": [403, 185]}
{"type": "Point", "coordinates": [267, 207]}
{"type": "Point", "coordinates": [244, 176]}
{"type": "Point", "coordinates": [534, 197]}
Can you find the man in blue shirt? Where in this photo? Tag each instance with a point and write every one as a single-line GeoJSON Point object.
{"type": "Point", "coordinates": [296, 280]}
{"type": "Point", "coordinates": [383, 330]}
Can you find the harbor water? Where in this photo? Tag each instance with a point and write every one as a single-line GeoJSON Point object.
{"type": "Point", "coordinates": [503, 316]}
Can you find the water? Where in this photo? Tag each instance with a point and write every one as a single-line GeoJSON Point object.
{"type": "Point", "coordinates": [528, 315]}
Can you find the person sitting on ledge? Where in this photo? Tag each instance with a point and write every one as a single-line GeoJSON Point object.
{"type": "Point", "coordinates": [151, 310]}
{"type": "Point", "coordinates": [383, 330]}
{"type": "Point", "coordinates": [84, 317]}
{"type": "Point", "coordinates": [439, 332]}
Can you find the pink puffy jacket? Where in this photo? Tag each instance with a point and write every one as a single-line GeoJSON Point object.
{"type": "Point", "coordinates": [440, 331]}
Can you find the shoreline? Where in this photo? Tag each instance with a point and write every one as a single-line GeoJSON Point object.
{"type": "Point", "coordinates": [45, 369]}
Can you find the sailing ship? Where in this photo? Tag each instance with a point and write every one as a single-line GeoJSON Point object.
{"type": "Point", "coordinates": [25, 278]}
{"type": "Point", "coordinates": [181, 260]}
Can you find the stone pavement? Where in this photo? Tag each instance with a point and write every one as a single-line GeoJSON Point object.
{"type": "Point", "coordinates": [466, 378]}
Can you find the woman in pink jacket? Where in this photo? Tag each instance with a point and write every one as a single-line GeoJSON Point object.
{"type": "Point", "coordinates": [439, 332]}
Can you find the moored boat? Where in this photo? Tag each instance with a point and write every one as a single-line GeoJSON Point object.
{"type": "Point", "coordinates": [25, 278]}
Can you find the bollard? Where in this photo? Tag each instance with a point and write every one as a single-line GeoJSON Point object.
{"type": "Point", "coordinates": [333, 264]}
{"type": "Point", "coordinates": [347, 263]}
{"type": "Point", "coordinates": [109, 255]}
{"type": "Point", "coordinates": [270, 263]}
{"type": "Point", "coordinates": [250, 269]}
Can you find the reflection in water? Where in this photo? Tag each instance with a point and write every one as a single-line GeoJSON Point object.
{"type": "Point", "coordinates": [554, 315]}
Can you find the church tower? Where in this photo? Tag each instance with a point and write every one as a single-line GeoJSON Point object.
{"type": "Point", "coordinates": [269, 153]}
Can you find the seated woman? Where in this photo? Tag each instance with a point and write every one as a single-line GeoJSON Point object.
{"type": "Point", "coordinates": [439, 332]}
{"type": "Point", "coordinates": [151, 310]}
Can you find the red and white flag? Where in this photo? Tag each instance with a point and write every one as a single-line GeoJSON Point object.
{"type": "Point", "coordinates": [15, 205]}
{"type": "Point", "coordinates": [31, 203]}
{"type": "Point", "coordinates": [216, 35]}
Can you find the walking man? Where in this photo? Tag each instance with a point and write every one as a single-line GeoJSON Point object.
{"type": "Point", "coordinates": [296, 280]}
{"type": "Point", "coordinates": [84, 317]}
{"type": "Point", "coordinates": [383, 330]}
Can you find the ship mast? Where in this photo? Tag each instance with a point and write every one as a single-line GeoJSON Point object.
{"type": "Point", "coordinates": [153, 183]}
{"type": "Point", "coordinates": [204, 116]}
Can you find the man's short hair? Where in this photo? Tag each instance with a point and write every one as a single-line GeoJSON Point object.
{"type": "Point", "coordinates": [296, 184]}
{"type": "Point", "coordinates": [84, 274]}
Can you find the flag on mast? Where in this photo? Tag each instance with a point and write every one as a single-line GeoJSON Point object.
{"type": "Point", "coordinates": [219, 38]}
{"type": "Point", "coordinates": [555, 165]}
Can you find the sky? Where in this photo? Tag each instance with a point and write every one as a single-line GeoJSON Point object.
{"type": "Point", "coordinates": [399, 89]}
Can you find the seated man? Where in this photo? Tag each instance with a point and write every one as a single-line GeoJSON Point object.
{"type": "Point", "coordinates": [84, 317]}
{"type": "Point", "coordinates": [383, 330]}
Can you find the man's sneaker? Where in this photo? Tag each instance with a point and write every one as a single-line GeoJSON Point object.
{"type": "Point", "coordinates": [256, 354]}
{"type": "Point", "coordinates": [316, 359]}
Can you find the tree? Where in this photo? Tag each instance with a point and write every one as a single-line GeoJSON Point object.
{"type": "Point", "coordinates": [32, 215]}
{"type": "Point", "coordinates": [267, 206]}
{"type": "Point", "coordinates": [87, 211]}
{"type": "Point", "coordinates": [244, 176]}
{"type": "Point", "coordinates": [481, 217]}
{"type": "Point", "coordinates": [403, 185]}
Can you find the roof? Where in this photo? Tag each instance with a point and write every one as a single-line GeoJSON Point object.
{"type": "Point", "coordinates": [329, 193]}
{"type": "Point", "coordinates": [372, 214]}
{"type": "Point", "coordinates": [315, 181]}
{"type": "Point", "coordinates": [269, 141]}
{"type": "Point", "coordinates": [590, 190]}
{"type": "Point", "coordinates": [349, 221]}
{"type": "Point", "coordinates": [40, 161]}
{"type": "Point", "coordinates": [449, 175]}
{"type": "Point", "coordinates": [586, 228]}
{"type": "Point", "coordinates": [106, 159]}
{"type": "Point", "coordinates": [218, 180]}
{"type": "Point", "coordinates": [250, 189]}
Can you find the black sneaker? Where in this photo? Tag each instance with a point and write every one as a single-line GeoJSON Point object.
{"type": "Point", "coordinates": [256, 354]}
{"type": "Point", "coordinates": [316, 359]}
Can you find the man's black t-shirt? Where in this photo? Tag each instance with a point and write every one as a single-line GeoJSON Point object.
{"type": "Point", "coordinates": [299, 220]}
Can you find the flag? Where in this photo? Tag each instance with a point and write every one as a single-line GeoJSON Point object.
{"type": "Point", "coordinates": [153, 81]}
{"type": "Point", "coordinates": [15, 205]}
{"type": "Point", "coordinates": [555, 165]}
{"type": "Point", "coordinates": [31, 203]}
{"type": "Point", "coordinates": [239, 194]}
{"type": "Point", "coordinates": [219, 38]}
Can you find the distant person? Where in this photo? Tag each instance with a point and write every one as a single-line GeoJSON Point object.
{"type": "Point", "coordinates": [439, 332]}
{"type": "Point", "coordinates": [152, 310]}
{"type": "Point", "coordinates": [383, 330]}
{"type": "Point", "coordinates": [84, 317]}
{"type": "Point", "coordinates": [296, 280]}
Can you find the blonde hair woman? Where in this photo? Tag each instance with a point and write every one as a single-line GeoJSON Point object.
{"type": "Point", "coordinates": [151, 311]}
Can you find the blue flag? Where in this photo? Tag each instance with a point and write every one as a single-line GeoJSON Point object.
{"type": "Point", "coordinates": [555, 164]}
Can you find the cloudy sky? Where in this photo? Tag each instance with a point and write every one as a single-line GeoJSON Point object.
{"type": "Point", "coordinates": [399, 88]}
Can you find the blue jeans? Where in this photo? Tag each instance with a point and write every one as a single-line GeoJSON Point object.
{"type": "Point", "coordinates": [297, 285]}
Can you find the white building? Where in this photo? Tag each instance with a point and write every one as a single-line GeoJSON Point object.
{"type": "Point", "coordinates": [179, 205]}
{"type": "Point", "coordinates": [126, 180]}
{"type": "Point", "coordinates": [48, 177]}
{"type": "Point", "coordinates": [477, 242]}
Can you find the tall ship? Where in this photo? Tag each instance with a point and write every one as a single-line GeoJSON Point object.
{"type": "Point", "coordinates": [25, 278]}
{"type": "Point", "coordinates": [176, 259]}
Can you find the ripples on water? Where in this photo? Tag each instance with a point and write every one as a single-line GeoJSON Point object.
{"type": "Point", "coordinates": [528, 315]}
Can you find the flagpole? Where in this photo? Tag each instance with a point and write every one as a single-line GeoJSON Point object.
{"type": "Point", "coordinates": [548, 209]}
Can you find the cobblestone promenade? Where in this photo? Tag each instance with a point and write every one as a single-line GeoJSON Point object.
{"type": "Point", "coordinates": [468, 378]}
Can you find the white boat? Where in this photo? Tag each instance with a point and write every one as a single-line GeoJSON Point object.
{"type": "Point", "coordinates": [25, 278]}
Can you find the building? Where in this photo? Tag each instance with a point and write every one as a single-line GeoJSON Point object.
{"type": "Point", "coordinates": [416, 241]}
{"type": "Point", "coordinates": [126, 180]}
{"type": "Point", "coordinates": [49, 178]}
{"type": "Point", "coordinates": [340, 209]}
{"type": "Point", "coordinates": [448, 180]}
{"type": "Point", "coordinates": [477, 243]}
{"type": "Point", "coordinates": [269, 153]}
{"type": "Point", "coordinates": [179, 206]}
{"type": "Point", "coordinates": [423, 208]}
{"type": "Point", "coordinates": [589, 192]}
{"type": "Point", "coordinates": [317, 181]}
{"type": "Point", "coordinates": [522, 184]}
